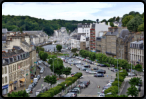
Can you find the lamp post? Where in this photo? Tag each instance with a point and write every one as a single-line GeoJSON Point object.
{"type": "Point", "coordinates": [131, 63]}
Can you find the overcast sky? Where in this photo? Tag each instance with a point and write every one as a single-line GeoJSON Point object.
{"type": "Point", "coordinates": [71, 10]}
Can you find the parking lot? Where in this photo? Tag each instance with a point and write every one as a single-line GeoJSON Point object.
{"type": "Point", "coordinates": [91, 90]}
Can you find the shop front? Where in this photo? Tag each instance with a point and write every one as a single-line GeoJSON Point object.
{"type": "Point", "coordinates": [15, 85]}
{"type": "Point", "coordinates": [11, 86]}
{"type": "Point", "coordinates": [22, 82]}
{"type": "Point", "coordinates": [5, 89]}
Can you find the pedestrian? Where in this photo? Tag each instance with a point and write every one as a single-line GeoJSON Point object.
{"type": "Point", "coordinates": [108, 68]}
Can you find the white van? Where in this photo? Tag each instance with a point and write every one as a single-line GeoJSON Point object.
{"type": "Point", "coordinates": [35, 80]}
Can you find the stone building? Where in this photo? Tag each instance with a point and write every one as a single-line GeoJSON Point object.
{"type": "Point", "coordinates": [15, 63]}
{"type": "Point", "coordinates": [137, 52]}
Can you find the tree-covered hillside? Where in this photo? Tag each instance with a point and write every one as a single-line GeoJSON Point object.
{"type": "Point", "coordinates": [15, 23]}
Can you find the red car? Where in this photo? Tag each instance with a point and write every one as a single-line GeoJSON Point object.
{"type": "Point", "coordinates": [84, 59]}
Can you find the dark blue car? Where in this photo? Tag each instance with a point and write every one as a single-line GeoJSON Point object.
{"type": "Point", "coordinates": [99, 75]}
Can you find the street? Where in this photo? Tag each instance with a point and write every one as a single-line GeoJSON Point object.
{"type": "Point", "coordinates": [92, 90]}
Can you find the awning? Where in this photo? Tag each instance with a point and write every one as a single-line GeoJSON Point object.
{"type": "Point", "coordinates": [23, 79]}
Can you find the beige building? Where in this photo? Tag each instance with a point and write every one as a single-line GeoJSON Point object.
{"type": "Point", "coordinates": [23, 41]}
{"type": "Point", "coordinates": [15, 63]}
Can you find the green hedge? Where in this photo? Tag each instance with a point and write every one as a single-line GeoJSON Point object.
{"type": "Point", "coordinates": [55, 90]}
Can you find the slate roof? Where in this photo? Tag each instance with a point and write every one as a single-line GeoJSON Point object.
{"type": "Point", "coordinates": [9, 56]}
{"type": "Point", "coordinates": [4, 38]}
{"type": "Point", "coordinates": [24, 42]}
{"type": "Point", "coordinates": [112, 33]}
{"type": "Point", "coordinates": [4, 30]}
{"type": "Point", "coordinates": [123, 33]}
{"type": "Point", "coordinates": [17, 47]}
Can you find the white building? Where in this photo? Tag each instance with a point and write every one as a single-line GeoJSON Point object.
{"type": "Point", "coordinates": [137, 52]}
{"type": "Point", "coordinates": [101, 27]}
{"type": "Point", "coordinates": [84, 28]}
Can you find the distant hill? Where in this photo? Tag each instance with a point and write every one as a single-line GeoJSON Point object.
{"type": "Point", "coordinates": [27, 23]}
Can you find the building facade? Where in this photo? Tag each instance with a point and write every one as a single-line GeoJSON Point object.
{"type": "Point", "coordinates": [137, 52]}
{"type": "Point", "coordinates": [17, 63]}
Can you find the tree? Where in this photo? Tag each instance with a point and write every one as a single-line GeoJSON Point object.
{"type": "Point", "coordinates": [112, 89]}
{"type": "Point", "coordinates": [50, 79]}
{"type": "Point", "coordinates": [115, 83]}
{"type": "Point", "coordinates": [111, 24]}
{"type": "Point", "coordinates": [121, 79]}
{"type": "Point", "coordinates": [20, 30]}
{"type": "Point", "coordinates": [132, 91]}
{"type": "Point", "coordinates": [126, 20]}
{"type": "Point", "coordinates": [58, 66]}
{"type": "Point", "coordinates": [134, 81]}
{"type": "Point", "coordinates": [21, 93]}
{"type": "Point", "coordinates": [40, 54]}
{"type": "Point", "coordinates": [74, 50]}
{"type": "Point", "coordinates": [67, 71]}
{"type": "Point", "coordinates": [59, 47]}
{"type": "Point", "coordinates": [138, 68]}
{"type": "Point", "coordinates": [44, 56]}
{"type": "Point", "coordinates": [133, 24]}
{"type": "Point", "coordinates": [117, 19]}
{"type": "Point", "coordinates": [141, 27]}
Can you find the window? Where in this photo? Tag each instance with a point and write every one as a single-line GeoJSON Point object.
{"type": "Point", "coordinates": [14, 76]}
{"type": "Point", "coordinates": [13, 68]}
{"type": "Point", "coordinates": [5, 70]}
{"type": "Point", "coordinates": [6, 79]}
{"type": "Point", "coordinates": [3, 80]}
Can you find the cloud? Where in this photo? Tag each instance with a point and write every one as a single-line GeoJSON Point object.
{"type": "Point", "coordinates": [71, 10]}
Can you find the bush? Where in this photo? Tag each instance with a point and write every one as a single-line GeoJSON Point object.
{"type": "Point", "coordinates": [121, 79]}
{"type": "Point", "coordinates": [115, 83]}
{"type": "Point", "coordinates": [112, 89]}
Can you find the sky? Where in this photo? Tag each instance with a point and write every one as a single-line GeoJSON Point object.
{"type": "Point", "coordinates": [71, 10]}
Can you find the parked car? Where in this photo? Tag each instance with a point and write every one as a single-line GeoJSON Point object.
{"type": "Point", "coordinates": [103, 65]}
{"type": "Point", "coordinates": [106, 86]}
{"type": "Point", "coordinates": [95, 68]}
{"type": "Point", "coordinates": [38, 77]}
{"type": "Point", "coordinates": [90, 61]}
{"type": "Point", "coordinates": [111, 81]}
{"type": "Point", "coordinates": [99, 75]}
{"type": "Point", "coordinates": [131, 74]}
{"type": "Point", "coordinates": [112, 69]}
{"type": "Point", "coordinates": [30, 87]}
{"type": "Point", "coordinates": [100, 71]}
{"type": "Point", "coordinates": [74, 90]}
{"type": "Point", "coordinates": [86, 83]}
{"type": "Point", "coordinates": [72, 74]}
{"type": "Point", "coordinates": [42, 70]}
{"type": "Point", "coordinates": [101, 95]}
{"type": "Point", "coordinates": [35, 80]}
{"type": "Point", "coordinates": [84, 59]}
{"type": "Point", "coordinates": [87, 66]}
{"type": "Point", "coordinates": [28, 91]}
{"type": "Point", "coordinates": [138, 88]}
{"type": "Point", "coordinates": [92, 72]}
{"type": "Point", "coordinates": [34, 84]}
{"type": "Point", "coordinates": [77, 89]}
{"type": "Point", "coordinates": [81, 85]}
{"type": "Point", "coordinates": [87, 70]}
{"type": "Point", "coordinates": [115, 70]}
{"type": "Point", "coordinates": [98, 64]}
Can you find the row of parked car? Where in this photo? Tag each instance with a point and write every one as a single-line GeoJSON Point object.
{"type": "Point", "coordinates": [109, 84]}
{"type": "Point", "coordinates": [77, 89]}
{"type": "Point", "coordinates": [33, 84]}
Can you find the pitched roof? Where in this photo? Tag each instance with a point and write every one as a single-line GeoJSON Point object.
{"type": "Point", "coordinates": [4, 38]}
{"type": "Point", "coordinates": [4, 30]}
